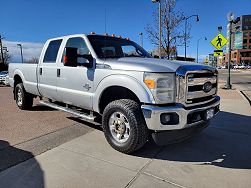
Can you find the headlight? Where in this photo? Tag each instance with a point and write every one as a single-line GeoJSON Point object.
{"type": "Point", "coordinates": [162, 86]}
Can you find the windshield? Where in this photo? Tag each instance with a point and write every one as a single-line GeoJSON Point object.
{"type": "Point", "coordinates": [112, 47]}
{"type": "Point", "coordinates": [3, 72]}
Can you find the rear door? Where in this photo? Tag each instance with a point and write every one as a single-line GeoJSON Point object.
{"type": "Point", "coordinates": [47, 73]}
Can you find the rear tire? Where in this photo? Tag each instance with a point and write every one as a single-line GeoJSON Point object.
{"type": "Point", "coordinates": [124, 126]}
{"type": "Point", "coordinates": [24, 100]}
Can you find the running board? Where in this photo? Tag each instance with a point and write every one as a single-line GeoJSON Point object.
{"type": "Point", "coordinates": [87, 117]}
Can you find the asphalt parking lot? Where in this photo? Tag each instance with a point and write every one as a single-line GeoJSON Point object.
{"type": "Point", "coordinates": [37, 130]}
{"type": "Point", "coordinates": [79, 156]}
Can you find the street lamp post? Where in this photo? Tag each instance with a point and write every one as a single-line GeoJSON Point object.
{"type": "Point", "coordinates": [160, 28]}
{"type": "Point", "coordinates": [141, 39]}
{"type": "Point", "coordinates": [198, 48]}
{"type": "Point", "coordinates": [185, 38]}
{"type": "Point", "coordinates": [230, 17]}
{"type": "Point", "coordinates": [20, 45]}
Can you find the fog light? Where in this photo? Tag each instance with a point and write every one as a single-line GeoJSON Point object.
{"type": "Point", "coordinates": [165, 118]}
{"type": "Point", "coordinates": [169, 118]}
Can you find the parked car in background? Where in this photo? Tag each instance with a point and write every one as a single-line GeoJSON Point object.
{"type": "Point", "coordinates": [4, 77]}
{"type": "Point", "coordinates": [248, 67]}
{"type": "Point", "coordinates": [242, 67]}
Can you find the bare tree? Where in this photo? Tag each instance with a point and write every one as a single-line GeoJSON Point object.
{"type": "Point", "coordinates": [171, 31]}
{"type": "Point", "coordinates": [4, 64]}
{"type": "Point", "coordinates": [33, 60]}
{"type": "Point", "coordinates": [6, 56]}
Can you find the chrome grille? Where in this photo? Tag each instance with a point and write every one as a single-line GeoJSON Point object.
{"type": "Point", "coordinates": [190, 85]}
{"type": "Point", "coordinates": [195, 87]}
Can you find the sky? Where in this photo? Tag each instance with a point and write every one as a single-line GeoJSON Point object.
{"type": "Point", "coordinates": [32, 22]}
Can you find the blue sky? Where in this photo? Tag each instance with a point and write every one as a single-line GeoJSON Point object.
{"type": "Point", "coordinates": [34, 21]}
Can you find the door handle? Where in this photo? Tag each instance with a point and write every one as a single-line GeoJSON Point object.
{"type": "Point", "coordinates": [58, 72]}
{"type": "Point", "coordinates": [40, 71]}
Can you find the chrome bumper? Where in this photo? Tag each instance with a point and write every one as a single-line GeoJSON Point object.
{"type": "Point", "coordinates": [152, 115]}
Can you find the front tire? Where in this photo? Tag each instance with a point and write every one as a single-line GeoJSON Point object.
{"type": "Point", "coordinates": [24, 100]}
{"type": "Point", "coordinates": [124, 126]}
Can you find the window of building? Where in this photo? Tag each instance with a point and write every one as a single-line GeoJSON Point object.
{"type": "Point", "coordinates": [249, 46]}
{"type": "Point", "coordinates": [250, 34]}
{"type": "Point", "coordinates": [245, 46]}
{"type": "Point", "coordinates": [245, 34]}
{"type": "Point", "coordinates": [245, 41]}
{"type": "Point", "coordinates": [250, 41]}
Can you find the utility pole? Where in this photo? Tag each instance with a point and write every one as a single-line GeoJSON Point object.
{"type": "Point", "coordinates": [1, 48]}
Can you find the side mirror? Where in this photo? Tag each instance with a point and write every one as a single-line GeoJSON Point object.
{"type": "Point", "coordinates": [71, 57]}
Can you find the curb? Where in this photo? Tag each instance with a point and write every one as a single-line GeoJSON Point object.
{"type": "Point", "coordinates": [244, 95]}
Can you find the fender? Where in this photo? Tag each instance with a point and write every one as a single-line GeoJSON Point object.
{"type": "Point", "coordinates": [143, 93]}
{"type": "Point", "coordinates": [20, 74]}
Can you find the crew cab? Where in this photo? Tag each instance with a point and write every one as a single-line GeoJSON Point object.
{"type": "Point", "coordinates": [114, 82]}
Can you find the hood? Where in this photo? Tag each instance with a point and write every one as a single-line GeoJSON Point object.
{"type": "Point", "coordinates": [151, 64]}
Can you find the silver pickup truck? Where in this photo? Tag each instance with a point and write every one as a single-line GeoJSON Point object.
{"type": "Point", "coordinates": [114, 82]}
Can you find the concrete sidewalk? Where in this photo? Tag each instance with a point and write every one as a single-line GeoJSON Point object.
{"type": "Point", "coordinates": [218, 157]}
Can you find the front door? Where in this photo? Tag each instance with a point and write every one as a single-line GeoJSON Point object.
{"type": "Point", "coordinates": [75, 84]}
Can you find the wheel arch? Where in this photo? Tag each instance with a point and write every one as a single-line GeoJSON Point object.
{"type": "Point", "coordinates": [117, 87]}
{"type": "Point", "coordinates": [17, 80]}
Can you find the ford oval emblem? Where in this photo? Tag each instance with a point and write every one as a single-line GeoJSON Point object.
{"type": "Point", "coordinates": [207, 87]}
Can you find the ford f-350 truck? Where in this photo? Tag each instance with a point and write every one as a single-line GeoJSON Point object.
{"type": "Point", "coordinates": [115, 82]}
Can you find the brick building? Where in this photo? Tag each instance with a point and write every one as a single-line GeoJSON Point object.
{"type": "Point", "coordinates": [241, 41]}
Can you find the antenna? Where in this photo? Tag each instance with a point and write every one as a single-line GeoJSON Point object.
{"type": "Point", "coordinates": [105, 31]}
{"type": "Point", "coordinates": [105, 20]}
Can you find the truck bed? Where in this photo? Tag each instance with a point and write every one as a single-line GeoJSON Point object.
{"type": "Point", "coordinates": [28, 73]}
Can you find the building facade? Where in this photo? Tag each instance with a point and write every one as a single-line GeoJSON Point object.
{"type": "Point", "coordinates": [240, 41]}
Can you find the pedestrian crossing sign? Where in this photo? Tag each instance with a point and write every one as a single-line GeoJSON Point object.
{"type": "Point", "coordinates": [219, 41]}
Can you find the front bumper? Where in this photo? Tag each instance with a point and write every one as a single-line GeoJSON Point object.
{"type": "Point", "coordinates": [186, 117]}
{"type": "Point", "coordinates": [3, 80]}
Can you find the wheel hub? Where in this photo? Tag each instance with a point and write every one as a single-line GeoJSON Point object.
{"type": "Point", "coordinates": [119, 127]}
{"type": "Point", "coordinates": [19, 97]}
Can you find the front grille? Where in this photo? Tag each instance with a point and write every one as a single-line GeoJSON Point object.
{"type": "Point", "coordinates": [191, 89]}
{"type": "Point", "coordinates": [197, 91]}
{"type": "Point", "coordinates": [198, 87]}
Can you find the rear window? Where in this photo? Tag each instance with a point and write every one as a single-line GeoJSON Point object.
{"type": "Point", "coordinates": [52, 51]}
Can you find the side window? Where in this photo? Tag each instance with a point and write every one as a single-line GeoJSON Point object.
{"type": "Point", "coordinates": [52, 51]}
{"type": "Point", "coordinates": [78, 43]}
{"type": "Point", "coordinates": [108, 51]}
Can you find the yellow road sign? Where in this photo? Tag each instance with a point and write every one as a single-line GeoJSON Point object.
{"type": "Point", "coordinates": [219, 41]}
{"type": "Point", "coordinates": [218, 53]}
